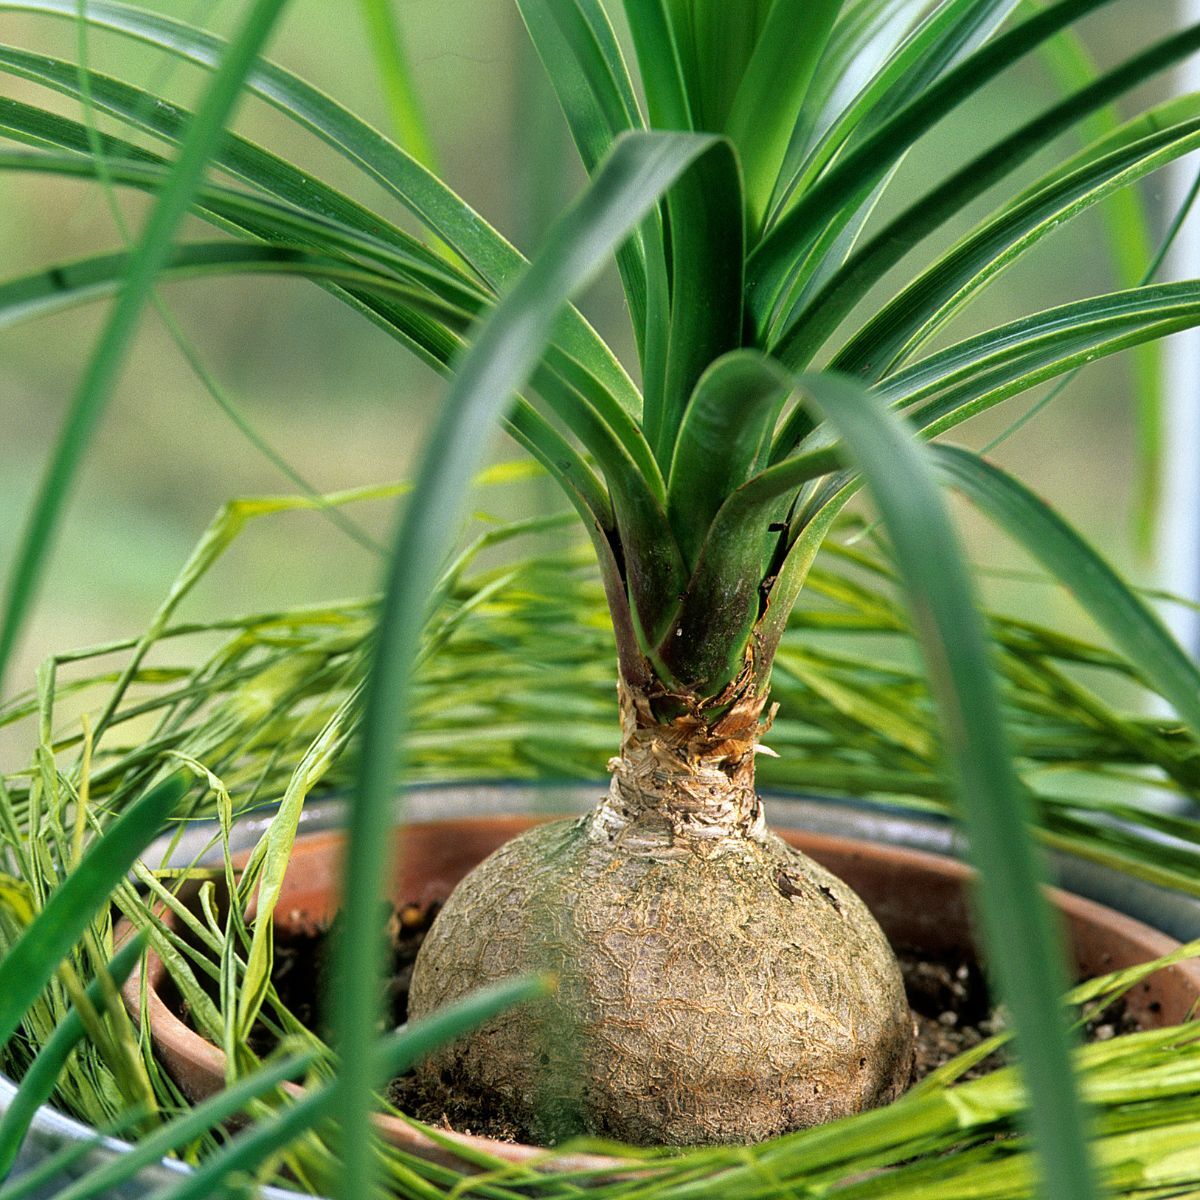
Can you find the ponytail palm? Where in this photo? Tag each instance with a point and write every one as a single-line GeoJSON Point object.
{"type": "Point", "coordinates": [735, 189]}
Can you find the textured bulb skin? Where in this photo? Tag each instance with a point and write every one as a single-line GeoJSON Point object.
{"type": "Point", "coordinates": [711, 990]}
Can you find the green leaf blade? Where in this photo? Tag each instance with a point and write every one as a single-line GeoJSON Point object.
{"type": "Point", "coordinates": [1024, 949]}
{"type": "Point", "coordinates": [858, 172]}
{"type": "Point", "coordinates": [583, 60]}
{"type": "Point", "coordinates": [801, 334]}
{"type": "Point", "coordinates": [500, 361]}
{"type": "Point", "coordinates": [707, 226]}
{"type": "Point", "coordinates": [38, 1083]}
{"type": "Point", "coordinates": [442, 211]}
{"type": "Point", "coordinates": [28, 966]}
{"type": "Point", "coordinates": [154, 247]}
{"type": "Point", "coordinates": [771, 93]}
{"type": "Point", "coordinates": [665, 63]}
{"type": "Point", "coordinates": [1116, 608]}
{"type": "Point", "coordinates": [921, 308]}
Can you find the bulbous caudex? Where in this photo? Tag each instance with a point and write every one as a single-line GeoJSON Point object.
{"type": "Point", "coordinates": [716, 986]}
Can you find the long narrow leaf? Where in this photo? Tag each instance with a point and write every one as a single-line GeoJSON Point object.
{"type": "Point", "coordinates": [583, 61]}
{"type": "Point", "coordinates": [153, 114]}
{"type": "Point", "coordinates": [707, 224]}
{"type": "Point", "coordinates": [1127, 216]}
{"type": "Point", "coordinates": [772, 92]}
{"type": "Point", "coordinates": [867, 35]}
{"type": "Point", "coordinates": [865, 92]}
{"type": "Point", "coordinates": [858, 172]}
{"type": "Point", "coordinates": [801, 334]}
{"type": "Point", "coordinates": [426, 196]}
{"type": "Point", "coordinates": [921, 308]}
{"type": "Point", "coordinates": [1130, 237]}
{"type": "Point", "coordinates": [60, 287]}
{"type": "Point", "coordinates": [103, 1181]}
{"type": "Point", "coordinates": [664, 64]}
{"type": "Point", "coordinates": [1116, 608]}
{"type": "Point", "coordinates": [948, 388]}
{"type": "Point", "coordinates": [871, 71]}
{"type": "Point", "coordinates": [39, 1081]}
{"type": "Point", "coordinates": [605, 428]}
{"type": "Point", "coordinates": [104, 366]}
{"type": "Point", "coordinates": [261, 218]}
{"type": "Point", "coordinates": [34, 958]}
{"type": "Point", "coordinates": [376, 295]}
{"type": "Point", "coordinates": [1024, 950]}
{"type": "Point", "coordinates": [978, 373]}
{"type": "Point", "coordinates": [394, 1055]}
{"type": "Point", "coordinates": [502, 357]}
{"type": "Point", "coordinates": [718, 42]}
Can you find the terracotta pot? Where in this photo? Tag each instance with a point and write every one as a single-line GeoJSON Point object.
{"type": "Point", "coordinates": [919, 899]}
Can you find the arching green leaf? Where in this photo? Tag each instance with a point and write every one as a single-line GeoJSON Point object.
{"type": "Point", "coordinates": [937, 294]}
{"type": "Point", "coordinates": [802, 334]}
{"type": "Point", "coordinates": [1117, 609]}
{"type": "Point", "coordinates": [439, 208]}
{"type": "Point", "coordinates": [1022, 942]}
{"type": "Point", "coordinates": [502, 357]}
{"type": "Point", "coordinates": [138, 109]}
{"type": "Point", "coordinates": [976, 374]}
{"type": "Point", "coordinates": [92, 395]}
{"type": "Point", "coordinates": [870, 70]}
{"type": "Point", "coordinates": [855, 175]}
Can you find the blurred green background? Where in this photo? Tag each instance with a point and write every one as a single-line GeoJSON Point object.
{"type": "Point", "coordinates": [347, 406]}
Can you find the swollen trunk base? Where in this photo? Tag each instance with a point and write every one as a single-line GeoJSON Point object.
{"type": "Point", "coordinates": [715, 985]}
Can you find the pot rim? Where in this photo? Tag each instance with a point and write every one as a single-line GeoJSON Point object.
{"type": "Point", "coordinates": [1174, 913]}
{"type": "Point", "coordinates": [191, 1048]}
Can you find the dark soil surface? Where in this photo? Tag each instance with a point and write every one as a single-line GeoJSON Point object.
{"type": "Point", "coordinates": [948, 996]}
{"type": "Point", "coordinates": [302, 965]}
{"type": "Point", "coordinates": [950, 1004]}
